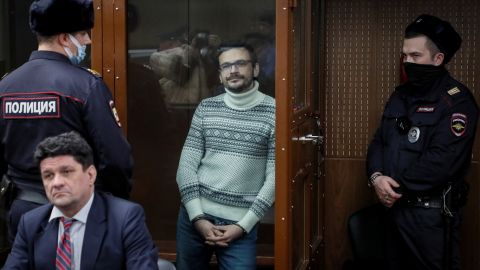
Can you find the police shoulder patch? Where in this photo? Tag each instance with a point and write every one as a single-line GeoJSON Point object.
{"type": "Point", "coordinates": [453, 91]}
{"type": "Point", "coordinates": [458, 124]}
{"type": "Point", "coordinates": [115, 113]}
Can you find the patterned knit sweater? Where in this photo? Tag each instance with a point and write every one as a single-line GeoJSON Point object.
{"type": "Point", "coordinates": [227, 166]}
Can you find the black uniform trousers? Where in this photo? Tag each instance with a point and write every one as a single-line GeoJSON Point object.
{"type": "Point", "coordinates": [17, 209]}
{"type": "Point", "coordinates": [415, 238]}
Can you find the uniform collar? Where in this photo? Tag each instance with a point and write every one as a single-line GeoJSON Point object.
{"type": "Point", "coordinates": [50, 55]}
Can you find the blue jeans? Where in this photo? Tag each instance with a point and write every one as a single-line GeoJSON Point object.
{"type": "Point", "coordinates": [194, 254]}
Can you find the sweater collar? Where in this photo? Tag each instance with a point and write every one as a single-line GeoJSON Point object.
{"type": "Point", "coordinates": [244, 101]}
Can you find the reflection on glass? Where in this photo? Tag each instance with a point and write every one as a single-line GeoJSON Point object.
{"type": "Point", "coordinates": [171, 68]}
{"type": "Point", "coordinates": [185, 69]}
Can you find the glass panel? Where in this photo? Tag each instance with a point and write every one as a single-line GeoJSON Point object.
{"type": "Point", "coordinates": [299, 61]}
{"type": "Point", "coordinates": [318, 183]}
{"type": "Point", "coordinates": [171, 67]}
{"type": "Point", "coordinates": [298, 203]}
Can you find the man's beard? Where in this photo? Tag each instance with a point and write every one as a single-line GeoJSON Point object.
{"type": "Point", "coordinates": [246, 85]}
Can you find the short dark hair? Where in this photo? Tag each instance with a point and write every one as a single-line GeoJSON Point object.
{"type": "Point", "coordinates": [70, 144]}
{"type": "Point", "coordinates": [430, 44]}
{"type": "Point", "coordinates": [45, 39]}
{"type": "Point", "coordinates": [236, 45]}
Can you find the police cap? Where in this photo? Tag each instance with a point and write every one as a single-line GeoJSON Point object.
{"type": "Point", "coordinates": [440, 32]}
{"type": "Point", "coordinates": [51, 17]}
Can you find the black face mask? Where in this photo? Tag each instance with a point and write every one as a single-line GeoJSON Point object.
{"type": "Point", "coordinates": [421, 76]}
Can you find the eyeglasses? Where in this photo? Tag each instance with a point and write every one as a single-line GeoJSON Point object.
{"type": "Point", "coordinates": [237, 64]}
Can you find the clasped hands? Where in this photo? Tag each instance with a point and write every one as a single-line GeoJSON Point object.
{"type": "Point", "coordinates": [217, 235]}
{"type": "Point", "coordinates": [384, 187]}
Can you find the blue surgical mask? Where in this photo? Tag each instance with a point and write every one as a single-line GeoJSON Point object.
{"type": "Point", "coordinates": [81, 51]}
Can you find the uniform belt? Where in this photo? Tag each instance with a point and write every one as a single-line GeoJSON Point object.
{"type": "Point", "coordinates": [425, 202]}
{"type": "Point", "coordinates": [31, 196]}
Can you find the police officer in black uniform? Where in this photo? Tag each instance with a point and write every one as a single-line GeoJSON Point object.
{"type": "Point", "coordinates": [421, 152]}
{"type": "Point", "coordinates": [50, 95]}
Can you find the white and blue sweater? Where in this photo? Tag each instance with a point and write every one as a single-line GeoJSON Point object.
{"type": "Point", "coordinates": [227, 166]}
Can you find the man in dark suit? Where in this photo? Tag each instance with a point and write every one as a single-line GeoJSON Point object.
{"type": "Point", "coordinates": [105, 232]}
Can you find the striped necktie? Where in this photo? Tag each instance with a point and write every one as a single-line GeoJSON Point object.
{"type": "Point", "coordinates": [64, 248]}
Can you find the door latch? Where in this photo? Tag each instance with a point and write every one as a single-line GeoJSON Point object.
{"type": "Point", "coordinates": [316, 140]}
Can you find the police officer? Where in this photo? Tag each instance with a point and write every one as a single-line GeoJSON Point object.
{"type": "Point", "coordinates": [421, 152]}
{"type": "Point", "coordinates": [50, 95]}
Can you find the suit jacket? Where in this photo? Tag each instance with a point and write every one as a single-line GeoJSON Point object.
{"type": "Point", "coordinates": [116, 237]}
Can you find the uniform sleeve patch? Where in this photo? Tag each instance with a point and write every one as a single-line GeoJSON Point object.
{"type": "Point", "coordinates": [30, 107]}
{"type": "Point", "coordinates": [453, 91]}
{"type": "Point", "coordinates": [115, 113]}
{"type": "Point", "coordinates": [459, 124]}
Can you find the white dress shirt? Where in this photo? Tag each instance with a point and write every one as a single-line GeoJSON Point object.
{"type": "Point", "coordinates": [77, 231]}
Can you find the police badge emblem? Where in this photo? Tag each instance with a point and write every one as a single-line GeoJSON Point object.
{"type": "Point", "coordinates": [458, 124]}
{"type": "Point", "coordinates": [413, 134]}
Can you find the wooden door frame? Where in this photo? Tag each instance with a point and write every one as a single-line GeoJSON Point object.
{"type": "Point", "coordinates": [283, 93]}
{"type": "Point", "coordinates": [109, 57]}
{"type": "Point", "coordinates": [286, 117]}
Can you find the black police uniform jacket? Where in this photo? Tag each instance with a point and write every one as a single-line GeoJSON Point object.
{"type": "Point", "coordinates": [47, 96]}
{"type": "Point", "coordinates": [436, 148]}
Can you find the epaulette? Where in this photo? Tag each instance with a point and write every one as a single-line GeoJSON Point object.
{"type": "Point", "coordinates": [454, 95]}
{"type": "Point", "coordinates": [455, 90]}
{"type": "Point", "coordinates": [94, 72]}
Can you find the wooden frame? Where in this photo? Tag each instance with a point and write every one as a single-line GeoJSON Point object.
{"type": "Point", "coordinates": [283, 85]}
{"type": "Point", "coordinates": [109, 57]}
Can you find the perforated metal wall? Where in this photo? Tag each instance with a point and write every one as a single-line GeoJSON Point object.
{"type": "Point", "coordinates": [363, 44]}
